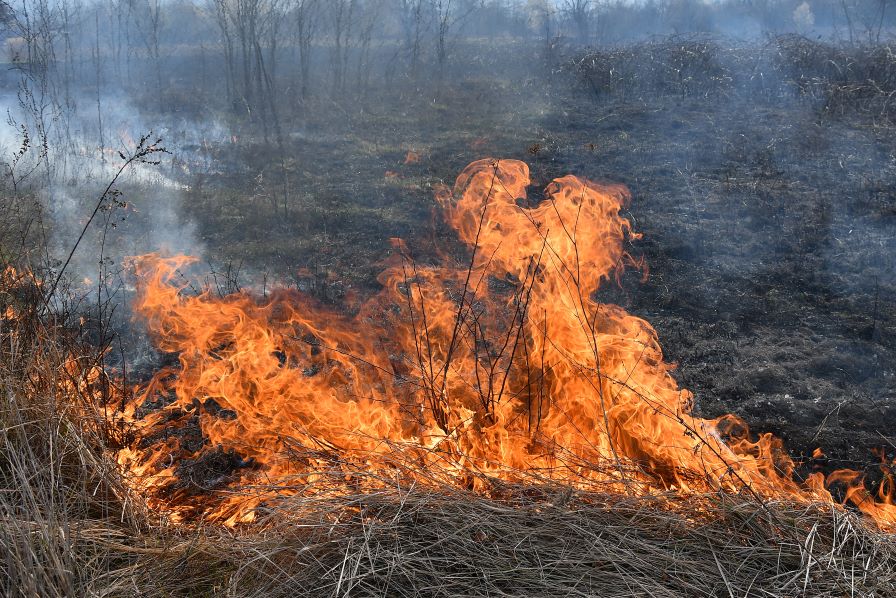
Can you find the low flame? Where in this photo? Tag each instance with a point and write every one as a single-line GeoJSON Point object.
{"type": "Point", "coordinates": [503, 368]}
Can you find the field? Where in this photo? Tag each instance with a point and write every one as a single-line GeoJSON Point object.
{"type": "Point", "coordinates": [763, 180]}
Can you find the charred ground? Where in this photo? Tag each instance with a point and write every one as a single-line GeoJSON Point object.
{"type": "Point", "coordinates": [764, 187]}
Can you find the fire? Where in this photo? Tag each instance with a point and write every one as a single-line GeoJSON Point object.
{"type": "Point", "coordinates": [504, 367]}
{"type": "Point", "coordinates": [880, 507]}
{"type": "Point", "coordinates": [16, 288]}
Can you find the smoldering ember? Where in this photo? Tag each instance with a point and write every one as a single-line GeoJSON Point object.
{"type": "Point", "coordinates": [448, 298]}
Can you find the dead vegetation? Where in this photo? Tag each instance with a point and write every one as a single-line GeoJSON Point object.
{"type": "Point", "coordinates": [676, 65]}
{"type": "Point", "coordinates": [835, 78]}
{"type": "Point", "coordinates": [66, 533]}
{"type": "Point", "coordinates": [840, 78]}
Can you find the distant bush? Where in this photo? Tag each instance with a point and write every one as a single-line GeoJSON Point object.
{"type": "Point", "coordinates": [836, 78]}
{"type": "Point", "coordinates": [839, 77]}
{"type": "Point", "coordinates": [675, 65]}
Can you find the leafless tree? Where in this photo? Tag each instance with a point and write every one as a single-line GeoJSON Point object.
{"type": "Point", "coordinates": [149, 21]}
{"type": "Point", "coordinates": [341, 20]}
{"type": "Point", "coordinates": [223, 19]}
{"type": "Point", "coordinates": [306, 18]}
{"type": "Point", "coordinates": [267, 66]}
{"type": "Point", "coordinates": [848, 7]}
{"type": "Point", "coordinates": [449, 14]}
{"type": "Point", "coordinates": [413, 17]}
{"type": "Point", "coordinates": [250, 32]}
{"type": "Point", "coordinates": [542, 14]}
{"type": "Point", "coordinates": [37, 24]}
{"type": "Point", "coordinates": [370, 16]}
{"type": "Point", "coordinates": [98, 70]}
{"type": "Point", "coordinates": [872, 16]}
{"type": "Point", "coordinates": [580, 14]}
{"type": "Point", "coordinates": [69, 17]}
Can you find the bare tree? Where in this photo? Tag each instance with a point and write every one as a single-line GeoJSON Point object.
{"type": "Point", "coordinates": [37, 24]}
{"type": "Point", "coordinates": [306, 17]}
{"type": "Point", "coordinates": [848, 6]}
{"type": "Point", "coordinates": [541, 17]}
{"type": "Point", "coordinates": [250, 32]}
{"type": "Point", "coordinates": [7, 15]}
{"type": "Point", "coordinates": [224, 20]}
{"type": "Point", "coordinates": [413, 16]}
{"type": "Point", "coordinates": [69, 16]}
{"type": "Point", "coordinates": [266, 74]}
{"type": "Point", "coordinates": [872, 16]}
{"type": "Point", "coordinates": [449, 14]}
{"type": "Point", "coordinates": [98, 70]}
{"type": "Point", "coordinates": [580, 14]}
{"type": "Point", "coordinates": [370, 17]}
{"type": "Point", "coordinates": [148, 19]}
{"type": "Point", "coordinates": [341, 19]}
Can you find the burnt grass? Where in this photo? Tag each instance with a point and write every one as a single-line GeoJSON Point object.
{"type": "Point", "coordinates": [769, 228]}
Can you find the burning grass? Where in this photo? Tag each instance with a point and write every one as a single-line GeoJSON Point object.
{"type": "Point", "coordinates": [457, 480]}
{"type": "Point", "coordinates": [70, 528]}
{"type": "Point", "coordinates": [507, 369]}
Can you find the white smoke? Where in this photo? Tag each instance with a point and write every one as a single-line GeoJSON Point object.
{"type": "Point", "coordinates": [81, 157]}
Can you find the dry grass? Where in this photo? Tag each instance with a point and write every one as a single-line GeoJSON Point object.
{"type": "Point", "coordinates": [679, 65]}
{"type": "Point", "coordinates": [836, 79]}
{"type": "Point", "coordinates": [840, 78]}
{"type": "Point", "coordinates": [68, 526]}
{"type": "Point", "coordinates": [554, 544]}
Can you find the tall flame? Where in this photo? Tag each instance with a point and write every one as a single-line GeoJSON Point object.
{"type": "Point", "coordinates": [505, 367]}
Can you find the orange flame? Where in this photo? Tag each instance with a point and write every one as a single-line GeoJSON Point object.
{"type": "Point", "coordinates": [505, 367]}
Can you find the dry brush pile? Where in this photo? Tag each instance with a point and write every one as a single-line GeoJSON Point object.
{"type": "Point", "coordinates": [840, 78]}
{"type": "Point", "coordinates": [676, 65]}
{"type": "Point", "coordinates": [834, 78]}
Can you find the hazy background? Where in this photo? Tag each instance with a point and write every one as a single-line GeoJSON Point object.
{"type": "Point", "coordinates": [81, 80]}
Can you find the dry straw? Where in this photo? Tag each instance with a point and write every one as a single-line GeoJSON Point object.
{"type": "Point", "coordinates": [68, 527]}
